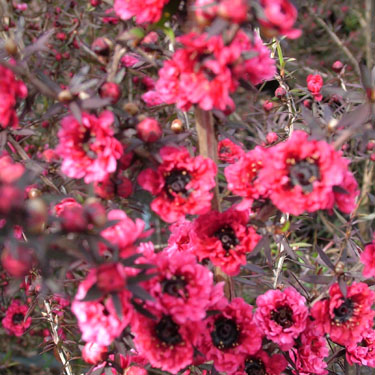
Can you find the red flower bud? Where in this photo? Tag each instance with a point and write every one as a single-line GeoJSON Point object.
{"type": "Point", "coordinates": [149, 130]}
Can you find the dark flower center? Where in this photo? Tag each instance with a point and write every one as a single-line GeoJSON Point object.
{"type": "Point", "coordinates": [303, 173]}
{"type": "Point", "coordinates": [176, 182]}
{"type": "Point", "coordinates": [344, 312]}
{"type": "Point", "coordinates": [167, 331]}
{"type": "Point", "coordinates": [254, 366]}
{"type": "Point", "coordinates": [283, 316]}
{"type": "Point", "coordinates": [226, 333]}
{"type": "Point", "coordinates": [18, 318]}
{"type": "Point", "coordinates": [227, 237]}
{"type": "Point", "coordinates": [175, 286]}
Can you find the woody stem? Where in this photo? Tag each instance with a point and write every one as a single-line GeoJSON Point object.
{"type": "Point", "coordinates": [207, 140]}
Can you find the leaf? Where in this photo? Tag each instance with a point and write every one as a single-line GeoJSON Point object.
{"type": "Point", "coordinates": [339, 189]}
{"type": "Point", "coordinates": [343, 286]}
{"type": "Point", "coordinates": [140, 277]}
{"type": "Point", "coordinates": [325, 258]}
{"type": "Point", "coordinates": [117, 304]}
{"type": "Point", "coordinates": [129, 261]}
{"type": "Point", "coordinates": [142, 310]}
{"type": "Point", "coordinates": [76, 111]}
{"type": "Point", "coordinates": [139, 292]}
{"type": "Point", "coordinates": [92, 294]}
{"type": "Point", "coordinates": [254, 268]}
{"type": "Point", "coordinates": [316, 279]}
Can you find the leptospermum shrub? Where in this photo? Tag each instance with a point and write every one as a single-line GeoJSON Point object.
{"type": "Point", "coordinates": [186, 187]}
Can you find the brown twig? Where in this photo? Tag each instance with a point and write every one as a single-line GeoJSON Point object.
{"type": "Point", "coordinates": [207, 140]}
{"type": "Point", "coordinates": [335, 39]}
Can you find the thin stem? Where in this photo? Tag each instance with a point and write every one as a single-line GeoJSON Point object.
{"type": "Point", "coordinates": [336, 40]}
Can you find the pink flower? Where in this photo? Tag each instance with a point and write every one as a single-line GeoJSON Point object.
{"type": "Point", "coordinates": [282, 316]}
{"type": "Point", "coordinates": [308, 356]}
{"type": "Point", "coordinates": [224, 238]}
{"type": "Point", "coordinates": [125, 233]}
{"type": "Point", "coordinates": [129, 60]}
{"type": "Point", "coordinates": [261, 363]}
{"type": "Point", "coordinates": [93, 353]}
{"type": "Point", "coordinates": [280, 16]}
{"type": "Point", "coordinates": [180, 238]}
{"type": "Point", "coordinates": [232, 10]}
{"type": "Point", "coordinates": [368, 259]}
{"type": "Point", "coordinates": [181, 184]}
{"type": "Point", "coordinates": [345, 319]}
{"type": "Point", "coordinates": [145, 11]}
{"type": "Point", "coordinates": [301, 175]}
{"type": "Point", "coordinates": [182, 287]}
{"type": "Point", "coordinates": [363, 351]}
{"type": "Point", "coordinates": [314, 85]}
{"type": "Point", "coordinates": [14, 321]}
{"type": "Point", "coordinates": [230, 336]}
{"type": "Point", "coordinates": [165, 343]}
{"type": "Point", "coordinates": [242, 177]}
{"type": "Point", "coordinates": [228, 151]}
{"type": "Point", "coordinates": [89, 150]}
{"type": "Point", "coordinates": [97, 318]}
{"type": "Point", "coordinates": [206, 72]}
{"type": "Point", "coordinates": [346, 199]}
{"type": "Point", "coordinates": [10, 90]}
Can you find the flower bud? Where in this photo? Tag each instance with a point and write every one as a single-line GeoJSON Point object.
{"type": "Point", "coordinates": [280, 92]}
{"type": "Point", "coordinates": [64, 96]}
{"type": "Point", "coordinates": [149, 130]}
{"type": "Point", "coordinates": [102, 46]}
{"type": "Point", "coordinates": [131, 108]}
{"type": "Point", "coordinates": [95, 212]}
{"type": "Point", "coordinates": [111, 91]}
{"type": "Point", "coordinates": [177, 126]}
{"type": "Point", "coordinates": [94, 353]}
{"type": "Point", "coordinates": [37, 212]}
{"type": "Point", "coordinates": [73, 219]}
{"type": "Point", "coordinates": [337, 66]}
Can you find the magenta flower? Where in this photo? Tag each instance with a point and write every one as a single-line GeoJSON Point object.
{"type": "Point", "coordinates": [14, 321]}
{"type": "Point", "coordinates": [345, 319]}
{"type": "Point", "coordinates": [89, 150]}
{"type": "Point", "coordinates": [282, 316]}
{"type": "Point", "coordinates": [181, 184]}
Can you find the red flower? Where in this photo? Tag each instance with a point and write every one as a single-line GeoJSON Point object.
{"type": "Point", "coordinates": [280, 16]}
{"type": "Point", "coordinates": [224, 238]}
{"type": "Point", "coordinates": [14, 321]}
{"type": "Point", "coordinates": [10, 90]}
{"type": "Point", "coordinates": [97, 318]}
{"type": "Point", "coordinates": [368, 259]}
{"type": "Point", "coordinates": [282, 316]}
{"type": "Point", "coordinates": [301, 175]}
{"type": "Point", "coordinates": [182, 287]}
{"type": "Point", "coordinates": [242, 177]}
{"type": "Point", "coordinates": [165, 343]}
{"type": "Point", "coordinates": [345, 319]}
{"type": "Point", "coordinates": [262, 364]}
{"type": "Point", "coordinates": [308, 355]}
{"type": "Point", "coordinates": [314, 84]}
{"type": "Point", "coordinates": [89, 150]}
{"type": "Point", "coordinates": [228, 151]}
{"type": "Point", "coordinates": [181, 184]}
{"type": "Point", "coordinates": [363, 351]}
{"type": "Point", "coordinates": [145, 11]}
{"type": "Point", "coordinates": [230, 336]}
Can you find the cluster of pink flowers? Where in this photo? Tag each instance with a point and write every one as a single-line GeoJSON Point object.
{"type": "Point", "coordinates": [206, 71]}
{"type": "Point", "coordinates": [10, 90]}
{"type": "Point", "coordinates": [298, 175]}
